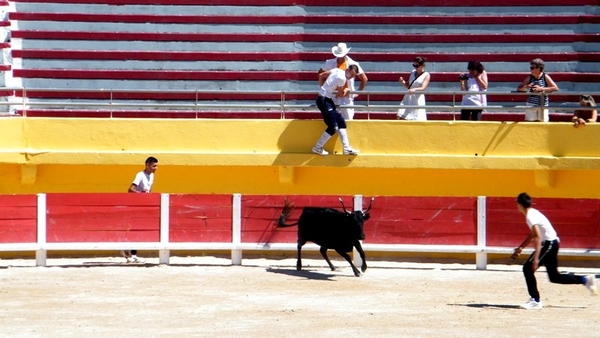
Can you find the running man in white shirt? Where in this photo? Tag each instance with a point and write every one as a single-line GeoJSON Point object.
{"type": "Point", "coordinates": [332, 85]}
{"type": "Point", "coordinates": [142, 183]}
{"type": "Point", "coordinates": [546, 243]}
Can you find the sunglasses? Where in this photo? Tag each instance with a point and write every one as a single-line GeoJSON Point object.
{"type": "Point", "coordinates": [533, 67]}
{"type": "Point", "coordinates": [416, 65]}
{"type": "Point", "coordinates": [585, 97]}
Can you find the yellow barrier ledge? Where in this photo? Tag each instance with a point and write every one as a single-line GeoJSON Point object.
{"type": "Point", "coordinates": [433, 158]}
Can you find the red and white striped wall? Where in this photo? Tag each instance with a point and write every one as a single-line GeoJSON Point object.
{"type": "Point", "coordinates": [164, 222]}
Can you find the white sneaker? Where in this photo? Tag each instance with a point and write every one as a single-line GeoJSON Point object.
{"type": "Point", "coordinates": [532, 305]}
{"type": "Point", "coordinates": [351, 151]}
{"type": "Point", "coordinates": [127, 256]}
{"type": "Point", "coordinates": [590, 283]}
{"type": "Point", "coordinates": [320, 151]}
{"type": "Point", "coordinates": [136, 259]}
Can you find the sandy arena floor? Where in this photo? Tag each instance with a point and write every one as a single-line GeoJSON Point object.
{"type": "Point", "coordinates": [207, 297]}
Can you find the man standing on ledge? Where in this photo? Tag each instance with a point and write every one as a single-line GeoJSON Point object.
{"type": "Point", "coordinates": [332, 85]}
{"type": "Point", "coordinates": [342, 61]}
{"type": "Point", "coordinates": [142, 183]}
{"type": "Point", "coordinates": [546, 244]}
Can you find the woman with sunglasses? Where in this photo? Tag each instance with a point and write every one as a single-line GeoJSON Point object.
{"type": "Point", "coordinates": [417, 82]}
{"type": "Point", "coordinates": [540, 83]}
{"type": "Point", "coordinates": [581, 117]}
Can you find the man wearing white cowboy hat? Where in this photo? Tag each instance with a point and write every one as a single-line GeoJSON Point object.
{"type": "Point", "coordinates": [342, 61]}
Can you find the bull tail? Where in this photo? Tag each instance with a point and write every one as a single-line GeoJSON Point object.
{"type": "Point", "coordinates": [287, 209]}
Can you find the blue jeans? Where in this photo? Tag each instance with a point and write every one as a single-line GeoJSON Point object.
{"type": "Point", "coordinates": [333, 119]}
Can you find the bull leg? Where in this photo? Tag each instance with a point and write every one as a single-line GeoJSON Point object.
{"type": "Point", "coordinates": [361, 252]}
{"type": "Point", "coordinates": [299, 261]}
{"type": "Point", "coordinates": [323, 252]}
{"type": "Point", "coordinates": [347, 257]}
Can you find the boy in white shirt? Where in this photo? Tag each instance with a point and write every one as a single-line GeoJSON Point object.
{"type": "Point", "coordinates": [142, 183]}
{"type": "Point", "coordinates": [546, 243]}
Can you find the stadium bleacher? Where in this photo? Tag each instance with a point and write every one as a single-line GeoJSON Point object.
{"type": "Point", "coordinates": [181, 51]}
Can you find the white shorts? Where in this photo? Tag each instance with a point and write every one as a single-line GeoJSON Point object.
{"type": "Point", "coordinates": [347, 113]}
{"type": "Point", "coordinates": [533, 114]}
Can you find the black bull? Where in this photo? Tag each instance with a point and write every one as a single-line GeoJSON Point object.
{"type": "Point", "coordinates": [330, 229]}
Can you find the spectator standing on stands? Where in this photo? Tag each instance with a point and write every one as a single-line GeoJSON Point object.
{"type": "Point", "coordinates": [417, 82]}
{"type": "Point", "coordinates": [540, 83]}
{"type": "Point", "coordinates": [142, 184]}
{"type": "Point", "coordinates": [332, 85]}
{"type": "Point", "coordinates": [582, 117]}
{"type": "Point", "coordinates": [475, 80]}
{"type": "Point", "coordinates": [343, 61]}
{"type": "Point", "coordinates": [546, 242]}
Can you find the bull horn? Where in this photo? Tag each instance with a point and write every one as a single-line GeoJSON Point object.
{"type": "Point", "coordinates": [370, 205]}
{"type": "Point", "coordinates": [343, 206]}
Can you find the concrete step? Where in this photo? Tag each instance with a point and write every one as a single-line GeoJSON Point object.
{"type": "Point", "coordinates": [325, 23]}
{"type": "Point", "coordinates": [111, 84]}
{"type": "Point", "coordinates": [184, 44]}
{"type": "Point", "coordinates": [278, 7]}
{"type": "Point", "coordinates": [299, 66]}
{"type": "Point", "coordinates": [314, 114]}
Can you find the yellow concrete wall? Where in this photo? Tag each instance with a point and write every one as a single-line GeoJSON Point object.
{"type": "Point", "coordinates": [434, 158]}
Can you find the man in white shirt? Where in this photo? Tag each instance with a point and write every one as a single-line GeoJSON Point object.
{"type": "Point", "coordinates": [332, 85]}
{"type": "Point", "coordinates": [546, 243]}
{"type": "Point", "coordinates": [343, 61]}
{"type": "Point", "coordinates": [142, 183]}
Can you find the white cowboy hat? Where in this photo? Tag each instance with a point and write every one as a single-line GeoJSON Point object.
{"type": "Point", "coordinates": [340, 50]}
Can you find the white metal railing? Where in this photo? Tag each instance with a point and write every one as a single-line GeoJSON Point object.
{"type": "Point", "coordinates": [236, 246]}
{"type": "Point", "coordinates": [282, 105]}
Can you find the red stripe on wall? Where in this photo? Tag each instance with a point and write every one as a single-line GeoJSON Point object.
{"type": "Point", "coordinates": [577, 221]}
{"type": "Point", "coordinates": [301, 115]}
{"type": "Point", "coordinates": [103, 217]}
{"type": "Point", "coordinates": [294, 56]}
{"type": "Point", "coordinates": [347, 3]}
{"type": "Point", "coordinates": [423, 220]}
{"type": "Point", "coordinates": [18, 218]}
{"type": "Point", "coordinates": [261, 212]}
{"type": "Point", "coordinates": [200, 218]}
{"type": "Point", "coordinates": [522, 20]}
{"type": "Point", "coordinates": [207, 218]}
{"type": "Point", "coordinates": [203, 75]}
{"type": "Point", "coordinates": [304, 37]}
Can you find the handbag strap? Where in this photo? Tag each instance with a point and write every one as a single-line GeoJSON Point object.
{"type": "Point", "coordinates": [415, 79]}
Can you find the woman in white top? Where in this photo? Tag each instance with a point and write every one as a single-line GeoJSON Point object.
{"type": "Point", "coordinates": [474, 81]}
{"type": "Point", "coordinates": [417, 82]}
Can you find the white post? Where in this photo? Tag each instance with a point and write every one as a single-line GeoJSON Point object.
{"type": "Point", "coordinates": [163, 254]}
{"type": "Point", "coordinates": [40, 253]}
{"type": "Point", "coordinates": [236, 230]}
{"type": "Point", "coordinates": [480, 256]}
{"type": "Point", "coordinates": [358, 200]}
